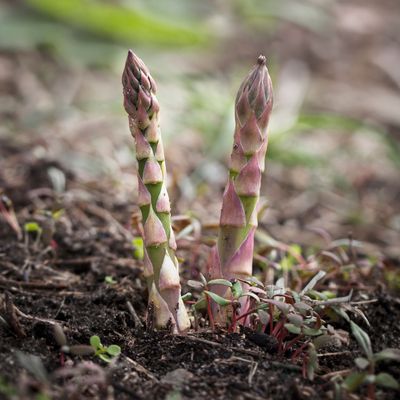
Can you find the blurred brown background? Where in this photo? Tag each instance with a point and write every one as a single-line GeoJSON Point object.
{"type": "Point", "coordinates": [334, 155]}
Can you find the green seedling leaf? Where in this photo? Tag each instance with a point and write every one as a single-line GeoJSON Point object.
{"type": "Point", "coordinates": [253, 281]}
{"type": "Point", "coordinates": [361, 362]}
{"type": "Point", "coordinates": [387, 354]}
{"type": "Point", "coordinates": [105, 357]}
{"type": "Point", "coordinates": [237, 290]}
{"type": "Point", "coordinates": [195, 284]}
{"type": "Point", "coordinates": [264, 317]}
{"type": "Point", "coordinates": [354, 381]}
{"type": "Point", "coordinates": [283, 307]}
{"type": "Point", "coordinates": [186, 296]}
{"type": "Point", "coordinates": [138, 251]}
{"type": "Point", "coordinates": [386, 380]}
{"type": "Point", "coordinates": [220, 282]}
{"type": "Point", "coordinates": [312, 364]}
{"type": "Point", "coordinates": [58, 214]}
{"type": "Point", "coordinates": [323, 340]}
{"type": "Point", "coordinates": [295, 319]}
{"type": "Point", "coordinates": [95, 342]}
{"type": "Point", "coordinates": [310, 285]}
{"type": "Point", "coordinates": [81, 350]}
{"type": "Point", "coordinates": [252, 295]}
{"type": "Point", "coordinates": [218, 299]}
{"type": "Point", "coordinates": [110, 280]}
{"type": "Point", "coordinates": [311, 332]}
{"type": "Point", "coordinates": [302, 307]}
{"type": "Point", "coordinates": [293, 329]}
{"type": "Point", "coordinates": [203, 279]}
{"type": "Point", "coordinates": [113, 350]}
{"type": "Point", "coordinates": [363, 339]}
{"type": "Point", "coordinates": [200, 305]}
{"type": "Point", "coordinates": [59, 335]}
{"type": "Point", "coordinates": [32, 227]}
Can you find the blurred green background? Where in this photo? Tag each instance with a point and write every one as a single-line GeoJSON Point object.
{"type": "Point", "coordinates": [334, 154]}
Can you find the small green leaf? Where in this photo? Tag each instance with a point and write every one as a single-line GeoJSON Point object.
{"type": "Point", "coordinates": [32, 227]}
{"type": "Point", "coordinates": [302, 307]}
{"type": "Point", "coordinates": [363, 339]}
{"type": "Point", "coordinates": [218, 299]}
{"type": "Point", "coordinates": [220, 282]}
{"type": "Point", "coordinates": [295, 319]}
{"type": "Point", "coordinates": [312, 364]}
{"type": "Point", "coordinates": [293, 329]}
{"type": "Point", "coordinates": [110, 280]}
{"type": "Point", "coordinates": [386, 380]}
{"type": "Point", "coordinates": [311, 332]}
{"type": "Point", "coordinates": [321, 341]}
{"type": "Point", "coordinates": [187, 296]}
{"type": "Point", "coordinates": [200, 304]}
{"type": "Point", "coordinates": [105, 357]}
{"type": "Point", "coordinates": [138, 251]}
{"type": "Point", "coordinates": [237, 290]}
{"type": "Point", "coordinates": [113, 350]}
{"type": "Point", "coordinates": [252, 295]}
{"type": "Point", "coordinates": [387, 354]}
{"type": "Point", "coordinates": [195, 284]}
{"type": "Point", "coordinates": [81, 350]}
{"type": "Point", "coordinates": [203, 279]}
{"type": "Point", "coordinates": [354, 381]}
{"type": "Point", "coordinates": [264, 317]}
{"type": "Point", "coordinates": [59, 335]}
{"type": "Point", "coordinates": [95, 342]}
{"type": "Point", "coordinates": [361, 362]}
{"type": "Point", "coordinates": [282, 306]}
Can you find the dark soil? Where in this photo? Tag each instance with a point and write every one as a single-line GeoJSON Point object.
{"type": "Point", "coordinates": [62, 279]}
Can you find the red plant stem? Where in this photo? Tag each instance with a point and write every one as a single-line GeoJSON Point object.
{"type": "Point", "coordinates": [371, 386]}
{"type": "Point", "coordinates": [277, 328]}
{"type": "Point", "coordinates": [304, 368]}
{"type": "Point", "coordinates": [299, 350]}
{"type": "Point", "coordinates": [293, 341]}
{"type": "Point", "coordinates": [246, 314]}
{"type": "Point", "coordinates": [282, 335]}
{"type": "Point", "coordinates": [234, 320]}
{"type": "Point", "coordinates": [62, 359]}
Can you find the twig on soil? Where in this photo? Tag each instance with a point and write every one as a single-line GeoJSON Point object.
{"type": "Point", "coordinates": [139, 368]}
{"type": "Point", "coordinates": [11, 317]}
{"type": "Point", "coordinates": [136, 319]}
{"type": "Point", "coordinates": [330, 375]}
{"type": "Point", "coordinates": [339, 353]}
{"type": "Point", "coordinates": [31, 317]}
{"type": "Point", "coordinates": [32, 285]}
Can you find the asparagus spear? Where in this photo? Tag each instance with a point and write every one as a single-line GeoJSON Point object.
{"type": "Point", "coordinates": [161, 264]}
{"type": "Point", "coordinates": [238, 220]}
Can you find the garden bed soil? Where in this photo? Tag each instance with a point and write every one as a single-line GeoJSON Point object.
{"type": "Point", "coordinates": [64, 281]}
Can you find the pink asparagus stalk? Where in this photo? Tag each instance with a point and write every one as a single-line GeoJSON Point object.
{"type": "Point", "coordinates": [161, 264]}
{"type": "Point", "coordinates": [238, 220]}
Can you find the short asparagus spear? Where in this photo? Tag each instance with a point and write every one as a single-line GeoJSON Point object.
{"type": "Point", "coordinates": [238, 219]}
{"type": "Point", "coordinates": [161, 264]}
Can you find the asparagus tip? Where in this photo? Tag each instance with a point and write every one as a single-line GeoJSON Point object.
{"type": "Point", "coordinates": [262, 60]}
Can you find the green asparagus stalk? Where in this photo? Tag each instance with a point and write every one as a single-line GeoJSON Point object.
{"type": "Point", "coordinates": [161, 265]}
{"type": "Point", "coordinates": [238, 220]}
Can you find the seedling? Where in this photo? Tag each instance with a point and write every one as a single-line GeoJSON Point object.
{"type": "Point", "coordinates": [367, 366]}
{"type": "Point", "coordinates": [65, 348]}
{"type": "Point", "coordinates": [106, 353]}
{"type": "Point", "coordinates": [110, 280]}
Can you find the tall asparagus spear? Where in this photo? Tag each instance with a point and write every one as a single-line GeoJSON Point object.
{"type": "Point", "coordinates": [161, 264]}
{"type": "Point", "coordinates": [238, 219]}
